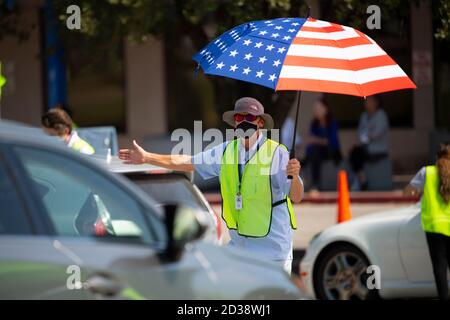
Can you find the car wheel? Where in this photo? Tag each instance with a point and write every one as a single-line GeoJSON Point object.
{"type": "Point", "coordinates": [341, 275]}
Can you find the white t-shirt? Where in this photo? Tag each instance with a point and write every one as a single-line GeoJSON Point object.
{"type": "Point", "coordinates": [418, 181]}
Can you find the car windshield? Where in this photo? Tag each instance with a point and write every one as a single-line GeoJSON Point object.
{"type": "Point", "coordinates": [169, 188]}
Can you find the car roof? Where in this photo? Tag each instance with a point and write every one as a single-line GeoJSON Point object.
{"type": "Point", "coordinates": [16, 131]}
{"type": "Point", "coordinates": [118, 166]}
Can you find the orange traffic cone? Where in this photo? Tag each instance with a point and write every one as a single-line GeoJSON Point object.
{"type": "Point", "coordinates": [344, 212]}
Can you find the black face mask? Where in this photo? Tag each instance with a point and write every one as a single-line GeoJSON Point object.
{"type": "Point", "coordinates": [245, 129]}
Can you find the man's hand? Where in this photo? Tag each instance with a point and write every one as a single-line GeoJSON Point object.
{"type": "Point", "coordinates": [293, 168]}
{"type": "Point", "coordinates": [136, 155]}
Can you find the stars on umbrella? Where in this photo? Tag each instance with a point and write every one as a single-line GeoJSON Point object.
{"type": "Point", "coordinates": [254, 52]}
{"type": "Point", "coordinates": [262, 59]}
{"type": "Point", "coordinates": [234, 34]}
{"type": "Point", "coordinates": [233, 53]}
{"type": "Point", "coordinates": [247, 71]}
{"type": "Point", "coordinates": [258, 45]}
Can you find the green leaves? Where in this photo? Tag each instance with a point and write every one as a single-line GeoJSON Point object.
{"type": "Point", "coordinates": [443, 31]}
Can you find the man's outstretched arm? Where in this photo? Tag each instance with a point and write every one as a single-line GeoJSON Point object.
{"type": "Point", "coordinates": [137, 155]}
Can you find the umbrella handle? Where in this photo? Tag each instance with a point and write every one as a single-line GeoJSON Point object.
{"type": "Point", "coordinates": [299, 97]}
{"type": "Point", "coordinates": [291, 156]}
{"type": "Point", "coordinates": [292, 151]}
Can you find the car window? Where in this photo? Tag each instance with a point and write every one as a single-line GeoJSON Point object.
{"type": "Point", "coordinates": [83, 203]}
{"type": "Point", "coordinates": [13, 220]}
{"type": "Point", "coordinates": [169, 189]}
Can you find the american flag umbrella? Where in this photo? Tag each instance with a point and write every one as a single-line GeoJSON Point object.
{"type": "Point", "coordinates": [303, 54]}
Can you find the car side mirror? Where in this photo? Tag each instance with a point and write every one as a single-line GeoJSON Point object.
{"type": "Point", "coordinates": [183, 224]}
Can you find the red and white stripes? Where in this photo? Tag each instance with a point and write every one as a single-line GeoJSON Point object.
{"type": "Point", "coordinates": [327, 57]}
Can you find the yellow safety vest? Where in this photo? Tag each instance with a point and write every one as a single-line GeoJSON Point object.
{"type": "Point", "coordinates": [435, 212]}
{"type": "Point", "coordinates": [82, 146]}
{"type": "Point", "coordinates": [255, 217]}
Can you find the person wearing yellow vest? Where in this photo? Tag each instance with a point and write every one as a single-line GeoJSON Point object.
{"type": "Point", "coordinates": [434, 184]}
{"type": "Point", "coordinates": [253, 172]}
{"type": "Point", "coordinates": [56, 122]}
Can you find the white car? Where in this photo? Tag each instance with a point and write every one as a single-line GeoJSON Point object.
{"type": "Point", "coordinates": [335, 265]}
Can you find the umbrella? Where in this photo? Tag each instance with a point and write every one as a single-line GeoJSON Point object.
{"type": "Point", "coordinates": [303, 54]}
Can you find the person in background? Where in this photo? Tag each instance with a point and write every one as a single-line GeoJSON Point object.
{"type": "Point", "coordinates": [373, 131]}
{"type": "Point", "coordinates": [433, 182]}
{"type": "Point", "coordinates": [68, 110]}
{"type": "Point", "coordinates": [56, 122]}
{"type": "Point", "coordinates": [287, 134]}
{"type": "Point", "coordinates": [322, 142]}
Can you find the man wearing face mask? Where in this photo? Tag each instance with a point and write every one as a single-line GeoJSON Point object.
{"type": "Point", "coordinates": [255, 187]}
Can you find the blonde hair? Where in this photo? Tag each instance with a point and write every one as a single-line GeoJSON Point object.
{"type": "Point", "coordinates": [443, 165]}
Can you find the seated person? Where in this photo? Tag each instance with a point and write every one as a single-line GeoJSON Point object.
{"type": "Point", "coordinates": [373, 130]}
{"type": "Point", "coordinates": [322, 142]}
{"type": "Point", "coordinates": [56, 122]}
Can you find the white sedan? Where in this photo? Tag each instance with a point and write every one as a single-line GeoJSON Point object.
{"type": "Point", "coordinates": [336, 262]}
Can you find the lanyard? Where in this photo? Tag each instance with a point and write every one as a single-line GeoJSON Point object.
{"type": "Point", "coordinates": [236, 149]}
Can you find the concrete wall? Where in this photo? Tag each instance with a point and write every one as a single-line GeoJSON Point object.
{"type": "Point", "coordinates": [22, 98]}
{"type": "Point", "coordinates": [145, 86]}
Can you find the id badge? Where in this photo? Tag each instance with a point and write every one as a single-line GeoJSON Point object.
{"type": "Point", "coordinates": [238, 201]}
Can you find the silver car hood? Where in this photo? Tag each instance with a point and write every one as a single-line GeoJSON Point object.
{"type": "Point", "coordinates": [385, 216]}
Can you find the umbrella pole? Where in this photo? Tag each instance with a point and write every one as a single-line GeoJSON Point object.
{"type": "Point", "coordinates": [292, 151]}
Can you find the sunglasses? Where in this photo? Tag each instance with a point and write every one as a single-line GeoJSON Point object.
{"type": "Point", "coordinates": [241, 117]}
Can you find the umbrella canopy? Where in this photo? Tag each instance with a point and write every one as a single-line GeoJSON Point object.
{"type": "Point", "coordinates": [303, 54]}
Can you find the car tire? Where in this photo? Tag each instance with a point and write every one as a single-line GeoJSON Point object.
{"type": "Point", "coordinates": [340, 274]}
